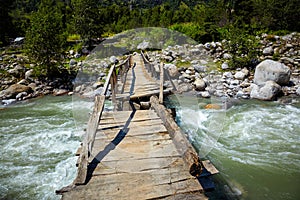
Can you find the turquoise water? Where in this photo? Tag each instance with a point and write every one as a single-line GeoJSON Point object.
{"type": "Point", "coordinates": [255, 145]}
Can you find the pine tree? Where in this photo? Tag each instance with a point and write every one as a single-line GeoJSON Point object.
{"type": "Point", "coordinates": [45, 38]}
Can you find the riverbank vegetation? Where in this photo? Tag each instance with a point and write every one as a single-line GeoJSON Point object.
{"type": "Point", "coordinates": [50, 27]}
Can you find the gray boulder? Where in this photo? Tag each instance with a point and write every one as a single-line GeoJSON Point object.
{"type": "Point", "coordinates": [269, 70]}
{"type": "Point", "coordinates": [267, 92]}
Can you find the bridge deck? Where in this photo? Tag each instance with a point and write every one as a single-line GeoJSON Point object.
{"type": "Point", "coordinates": [134, 156]}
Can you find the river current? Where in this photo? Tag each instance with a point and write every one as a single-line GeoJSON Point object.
{"type": "Point", "coordinates": [254, 145]}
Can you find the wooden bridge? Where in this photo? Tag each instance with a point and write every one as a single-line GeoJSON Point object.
{"type": "Point", "coordinates": [136, 151]}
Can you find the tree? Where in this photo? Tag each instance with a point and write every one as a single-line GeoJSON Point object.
{"type": "Point", "coordinates": [45, 38]}
{"type": "Point", "coordinates": [5, 22]}
{"type": "Point", "coordinates": [86, 18]}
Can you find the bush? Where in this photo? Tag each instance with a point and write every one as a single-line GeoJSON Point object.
{"type": "Point", "coordinates": [243, 47]}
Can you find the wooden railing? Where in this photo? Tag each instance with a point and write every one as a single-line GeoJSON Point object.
{"type": "Point", "coordinates": [160, 74]}
{"type": "Point", "coordinates": [87, 145]}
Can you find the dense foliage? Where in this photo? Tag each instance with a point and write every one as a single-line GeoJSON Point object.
{"type": "Point", "coordinates": [203, 20]}
{"type": "Point", "coordinates": [45, 37]}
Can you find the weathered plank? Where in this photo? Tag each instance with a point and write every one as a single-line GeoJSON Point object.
{"type": "Point", "coordinates": [135, 154]}
{"type": "Point", "coordinates": [179, 138]}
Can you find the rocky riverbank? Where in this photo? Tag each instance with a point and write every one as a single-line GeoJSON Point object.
{"type": "Point", "coordinates": [202, 70]}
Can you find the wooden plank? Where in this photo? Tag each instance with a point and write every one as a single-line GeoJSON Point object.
{"type": "Point", "coordinates": [161, 84]}
{"type": "Point", "coordinates": [179, 138]}
{"type": "Point", "coordinates": [210, 167]}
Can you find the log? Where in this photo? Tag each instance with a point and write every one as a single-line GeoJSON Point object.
{"type": "Point", "coordinates": [180, 140]}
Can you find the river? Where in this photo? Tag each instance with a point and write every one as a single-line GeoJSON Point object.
{"type": "Point", "coordinates": [255, 145]}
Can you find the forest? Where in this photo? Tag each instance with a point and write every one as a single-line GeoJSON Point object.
{"type": "Point", "coordinates": [48, 25]}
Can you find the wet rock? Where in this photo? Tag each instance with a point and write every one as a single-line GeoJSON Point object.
{"type": "Point", "coordinates": [272, 70]}
{"type": "Point", "coordinates": [15, 89]}
{"type": "Point", "coordinates": [8, 101]}
{"type": "Point", "coordinates": [60, 92]}
{"type": "Point", "coordinates": [205, 94]}
{"type": "Point", "coordinates": [20, 95]}
{"type": "Point", "coordinates": [267, 92]}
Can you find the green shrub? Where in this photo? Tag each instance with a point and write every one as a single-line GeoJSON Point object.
{"type": "Point", "coordinates": [243, 47]}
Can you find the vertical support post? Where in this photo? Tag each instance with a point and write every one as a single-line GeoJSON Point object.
{"type": "Point", "coordinates": [161, 85]}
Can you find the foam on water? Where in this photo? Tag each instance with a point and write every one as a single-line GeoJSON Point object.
{"type": "Point", "coordinates": [258, 147]}
{"type": "Point", "coordinates": [38, 142]}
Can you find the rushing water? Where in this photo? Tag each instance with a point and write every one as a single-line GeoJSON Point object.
{"type": "Point", "coordinates": [254, 144]}
{"type": "Point", "coordinates": [257, 148]}
{"type": "Point", "coordinates": [38, 143]}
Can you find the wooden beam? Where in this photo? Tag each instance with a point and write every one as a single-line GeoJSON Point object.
{"type": "Point", "coordinates": [161, 83]}
{"type": "Point", "coordinates": [180, 140]}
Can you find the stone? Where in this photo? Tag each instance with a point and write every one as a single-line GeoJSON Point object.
{"type": "Point", "coordinates": [8, 101]}
{"type": "Point", "coordinates": [298, 91]}
{"type": "Point", "coordinates": [225, 66]}
{"type": "Point", "coordinates": [60, 92]}
{"type": "Point", "coordinates": [200, 68]}
{"type": "Point", "coordinates": [113, 60]}
{"type": "Point", "coordinates": [268, 51]}
{"type": "Point", "coordinates": [267, 92]}
{"type": "Point", "coordinates": [184, 87]}
{"type": "Point", "coordinates": [227, 75]}
{"type": "Point", "coordinates": [71, 52]}
{"type": "Point", "coordinates": [199, 84]}
{"type": "Point", "coordinates": [29, 74]}
{"type": "Point", "coordinates": [21, 94]}
{"type": "Point", "coordinates": [272, 70]}
{"type": "Point", "coordinates": [227, 56]}
{"type": "Point", "coordinates": [16, 71]}
{"type": "Point", "coordinates": [23, 82]}
{"type": "Point", "coordinates": [205, 94]}
{"type": "Point", "coordinates": [15, 89]}
{"type": "Point", "coordinates": [143, 45]}
{"type": "Point", "coordinates": [172, 69]}
{"type": "Point", "coordinates": [240, 75]}
{"type": "Point", "coordinates": [72, 62]}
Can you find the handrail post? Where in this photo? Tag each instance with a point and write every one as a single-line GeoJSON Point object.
{"type": "Point", "coordinates": [161, 89]}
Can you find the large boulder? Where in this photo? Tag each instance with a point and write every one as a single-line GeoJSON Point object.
{"type": "Point", "coordinates": [267, 92]}
{"type": "Point", "coordinates": [269, 70]}
{"type": "Point", "coordinates": [14, 90]}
